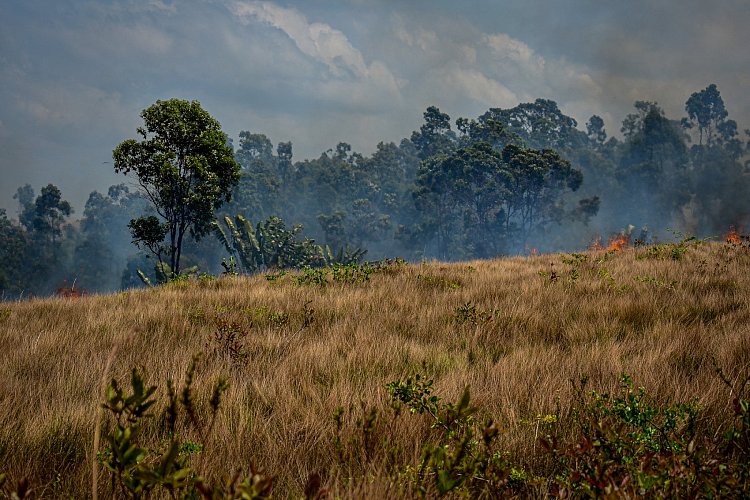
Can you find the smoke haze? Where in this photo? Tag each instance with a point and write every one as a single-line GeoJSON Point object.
{"type": "Point", "coordinates": [377, 125]}
{"type": "Point", "coordinates": [75, 74]}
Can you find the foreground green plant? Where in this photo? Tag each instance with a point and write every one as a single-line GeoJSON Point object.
{"type": "Point", "coordinates": [462, 456]}
{"type": "Point", "coordinates": [627, 445]}
{"type": "Point", "coordinates": [137, 471]}
{"type": "Point", "coordinates": [621, 444]}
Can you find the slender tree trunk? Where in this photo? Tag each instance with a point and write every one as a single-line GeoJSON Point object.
{"type": "Point", "coordinates": [173, 258]}
{"type": "Point", "coordinates": [179, 250]}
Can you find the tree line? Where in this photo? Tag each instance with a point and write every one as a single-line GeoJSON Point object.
{"type": "Point", "coordinates": [503, 183]}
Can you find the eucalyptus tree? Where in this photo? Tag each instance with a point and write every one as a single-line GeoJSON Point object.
{"type": "Point", "coordinates": [708, 115]}
{"type": "Point", "coordinates": [185, 167]}
{"type": "Point", "coordinates": [719, 176]}
{"type": "Point", "coordinates": [13, 246]}
{"type": "Point", "coordinates": [480, 201]}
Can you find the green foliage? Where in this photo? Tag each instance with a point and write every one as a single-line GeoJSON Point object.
{"type": "Point", "coordinates": [540, 125]}
{"type": "Point", "coordinates": [275, 277]}
{"type": "Point", "coordinates": [352, 273]}
{"type": "Point", "coordinates": [269, 245]}
{"type": "Point", "coordinates": [230, 266]}
{"type": "Point", "coordinates": [416, 394]}
{"type": "Point", "coordinates": [469, 313]}
{"type": "Point", "coordinates": [184, 165]}
{"type": "Point", "coordinates": [261, 176]}
{"type": "Point", "coordinates": [45, 216]}
{"type": "Point", "coordinates": [149, 233]}
{"type": "Point", "coordinates": [124, 458]}
{"type": "Point", "coordinates": [344, 256]}
{"type": "Point", "coordinates": [498, 196]}
{"type": "Point", "coordinates": [36, 247]}
{"type": "Point", "coordinates": [137, 471]}
{"type": "Point", "coordinates": [13, 242]}
{"type": "Point", "coordinates": [489, 186]}
{"type": "Point", "coordinates": [363, 221]}
{"type": "Point", "coordinates": [651, 428]}
{"type": "Point", "coordinates": [163, 275]}
{"type": "Point", "coordinates": [460, 457]}
{"type": "Point", "coordinates": [102, 253]}
{"type": "Point", "coordinates": [628, 445]}
{"type": "Point", "coordinates": [435, 135]}
{"type": "Point", "coordinates": [674, 251]}
{"type": "Point", "coordinates": [707, 113]}
{"type": "Point", "coordinates": [345, 274]}
{"type": "Point", "coordinates": [311, 277]}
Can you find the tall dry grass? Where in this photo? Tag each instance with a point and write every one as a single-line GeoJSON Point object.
{"type": "Point", "coordinates": [546, 323]}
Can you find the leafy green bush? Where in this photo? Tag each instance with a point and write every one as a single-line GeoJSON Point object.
{"type": "Point", "coordinates": [470, 313]}
{"type": "Point", "coordinates": [461, 456]}
{"type": "Point", "coordinates": [311, 276]}
{"type": "Point", "coordinates": [352, 273]}
{"type": "Point", "coordinates": [627, 445]}
{"type": "Point", "coordinates": [137, 471]}
{"type": "Point", "coordinates": [622, 444]}
{"type": "Point", "coordinates": [672, 251]}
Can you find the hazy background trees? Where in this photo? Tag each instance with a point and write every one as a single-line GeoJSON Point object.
{"type": "Point", "coordinates": [505, 182]}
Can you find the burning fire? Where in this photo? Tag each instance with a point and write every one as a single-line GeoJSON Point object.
{"type": "Point", "coordinates": [596, 245]}
{"type": "Point", "coordinates": [733, 237]}
{"type": "Point", "coordinates": [617, 243]}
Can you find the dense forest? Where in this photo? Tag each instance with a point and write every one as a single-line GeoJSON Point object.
{"type": "Point", "coordinates": [511, 181]}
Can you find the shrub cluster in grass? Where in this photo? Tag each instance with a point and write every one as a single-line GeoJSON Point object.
{"type": "Point", "coordinates": [621, 444]}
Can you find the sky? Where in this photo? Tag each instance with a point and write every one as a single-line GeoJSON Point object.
{"type": "Point", "coordinates": [75, 74]}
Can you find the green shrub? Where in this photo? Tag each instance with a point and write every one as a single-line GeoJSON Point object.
{"type": "Point", "coordinates": [137, 471]}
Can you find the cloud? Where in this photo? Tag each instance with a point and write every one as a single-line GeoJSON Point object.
{"type": "Point", "coordinates": [349, 80]}
{"type": "Point", "coordinates": [317, 40]}
{"type": "Point", "coordinates": [505, 47]}
{"type": "Point", "coordinates": [162, 6]}
{"type": "Point", "coordinates": [423, 38]}
{"type": "Point", "coordinates": [119, 40]}
{"type": "Point", "coordinates": [75, 74]}
{"type": "Point", "coordinates": [456, 80]}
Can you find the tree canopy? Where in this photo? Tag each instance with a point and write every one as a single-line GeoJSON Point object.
{"type": "Point", "coordinates": [504, 182]}
{"type": "Point", "coordinates": [185, 167]}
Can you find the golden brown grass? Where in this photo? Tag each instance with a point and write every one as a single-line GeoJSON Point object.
{"type": "Point", "coordinates": [662, 321]}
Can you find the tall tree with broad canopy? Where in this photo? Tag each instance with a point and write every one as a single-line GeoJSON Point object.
{"type": "Point", "coordinates": [43, 217]}
{"type": "Point", "coordinates": [185, 166]}
{"type": "Point", "coordinates": [708, 115]}
{"type": "Point", "coordinates": [498, 197]}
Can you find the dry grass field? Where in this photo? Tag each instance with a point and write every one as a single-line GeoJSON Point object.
{"type": "Point", "coordinates": [519, 332]}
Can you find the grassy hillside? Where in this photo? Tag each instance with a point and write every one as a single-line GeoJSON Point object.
{"type": "Point", "coordinates": [519, 332]}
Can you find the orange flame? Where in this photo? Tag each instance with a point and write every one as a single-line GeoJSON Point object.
{"type": "Point", "coordinates": [618, 243]}
{"type": "Point", "coordinates": [733, 237]}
